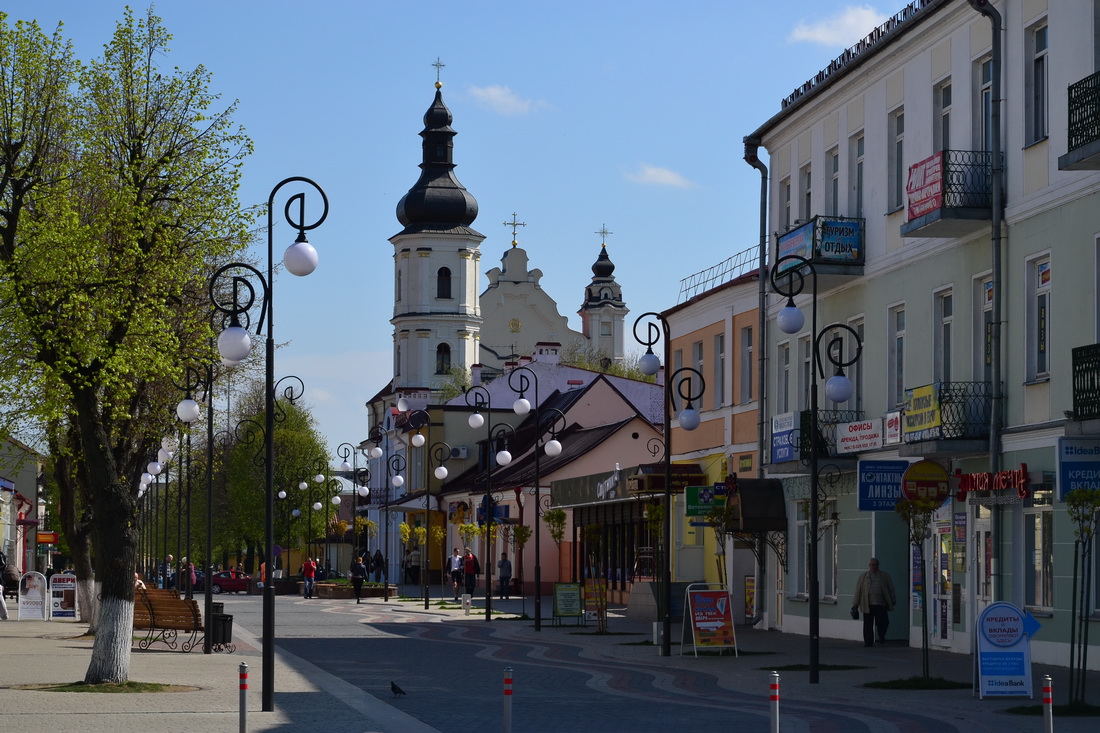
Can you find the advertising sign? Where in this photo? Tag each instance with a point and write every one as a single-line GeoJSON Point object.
{"type": "Point", "coordinates": [839, 241]}
{"type": "Point", "coordinates": [799, 242]}
{"type": "Point", "coordinates": [62, 596]}
{"type": "Point", "coordinates": [893, 428]}
{"type": "Point", "coordinates": [1004, 651]}
{"type": "Point", "coordinates": [568, 600]}
{"type": "Point", "coordinates": [701, 499]}
{"type": "Point", "coordinates": [32, 597]}
{"type": "Point", "coordinates": [711, 618]}
{"type": "Point", "coordinates": [46, 538]}
{"type": "Point", "coordinates": [783, 442]}
{"type": "Point", "coordinates": [1078, 465]}
{"type": "Point", "coordinates": [855, 437]}
{"type": "Point", "coordinates": [880, 484]}
{"type": "Point", "coordinates": [925, 186]}
{"type": "Point", "coordinates": [925, 480]}
{"type": "Point", "coordinates": [922, 413]}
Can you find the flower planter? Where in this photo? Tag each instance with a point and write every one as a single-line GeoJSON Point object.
{"type": "Point", "coordinates": [334, 590]}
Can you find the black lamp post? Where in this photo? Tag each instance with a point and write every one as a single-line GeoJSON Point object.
{"type": "Point", "coordinates": [188, 412]}
{"type": "Point", "coordinates": [418, 440]}
{"type": "Point", "coordinates": [395, 464]}
{"type": "Point", "coordinates": [360, 481]}
{"type": "Point", "coordinates": [441, 452]}
{"type": "Point", "coordinates": [333, 489]}
{"type": "Point", "coordinates": [520, 380]}
{"type": "Point", "coordinates": [684, 381]}
{"type": "Point", "coordinates": [788, 282]}
{"type": "Point", "coordinates": [478, 398]}
{"type": "Point", "coordinates": [234, 344]}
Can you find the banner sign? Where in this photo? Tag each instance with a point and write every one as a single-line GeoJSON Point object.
{"type": "Point", "coordinates": [922, 413]}
{"type": "Point", "coordinates": [32, 597]}
{"type": "Point", "coordinates": [1078, 465]}
{"type": "Point", "coordinates": [711, 618]}
{"type": "Point", "coordinates": [925, 186]}
{"type": "Point", "coordinates": [62, 596]}
{"type": "Point", "coordinates": [1004, 651]}
{"type": "Point", "coordinates": [855, 437]}
{"type": "Point", "coordinates": [893, 428]}
{"type": "Point", "coordinates": [880, 484]}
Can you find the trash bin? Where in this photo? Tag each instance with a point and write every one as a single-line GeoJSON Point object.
{"type": "Point", "coordinates": [223, 629]}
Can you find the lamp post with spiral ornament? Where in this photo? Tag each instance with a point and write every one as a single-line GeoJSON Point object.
{"type": "Point", "coordinates": [360, 481]}
{"type": "Point", "coordinates": [679, 383]}
{"type": "Point", "coordinates": [421, 419]}
{"type": "Point", "coordinates": [789, 280]}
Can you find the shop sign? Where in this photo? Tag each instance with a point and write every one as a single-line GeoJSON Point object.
{"type": "Point", "coordinates": [1014, 479]}
{"type": "Point", "coordinates": [855, 437]}
{"type": "Point", "coordinates": [783, 443]}
{"type": "Point", "coordinates": [925, 480]}
{"type": "Point", "coordinates": [925, 186]}
{"type": "Point", "coordinates": [880, 484]}
{"type": "Point", "coordinates": [62, 596]}
{"type": "Point", "coordinates": [1078, 465]}
{"type": "Point", "coordinates": [893, 428]}
{"type": "Point", "coordinates": [701, 499]}
{"type": "Point", "coordinates": [46, 538]}
{"type": "Point", "coordinates": [1004, 651]}
{"type": "Point", "coordinates": [922, 413]}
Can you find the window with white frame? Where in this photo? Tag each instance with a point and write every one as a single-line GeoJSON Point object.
{"type": "Point", "coordinates": [896, 351]}
{"type": "Point", "coordinates": [855, 371]}
{"type": "Point", "coordinates": [984, 118]}
{"type": "Point", "coordinates": [983, 325]}
{"type": "Point", "coordinates": [833, 157]}
{"type": "Point", "coordinates": [855, 173]}
{"type": "Point", "coordinates": [697, 363]}
{"type": "Point", "coordinates": [783, 387]}
{"type": "Point", "coordinates": [805, 372]}
{"type": "Point", "coordinates": [896, 159]}
{"type": "Point", "coordinates": [785, 199]}
{"type": "Point", "coordinates": [677, 365]}
{"type": "Point", "coordinates": [746, 366]}
{"type": "Point", "coordinates": [943, 309]}
{"type": "Point", "coordinates": [941, 128]}
{"type": "Point", "coordinates": [805, 207]}
{"type": "Point", "coordinates": [802, 550]}
{"type": "Point", "coordinates": [1037, 82]}
{"type": "Point", "coordinates": [1039, 551]}
{"type": "Point", "coordinates": [718, 380]}
{"type": "Point", "coordinates": [1038, 318]}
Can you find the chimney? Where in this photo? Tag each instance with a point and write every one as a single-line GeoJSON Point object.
{"type": "Point", "coordinates": [475, 375]}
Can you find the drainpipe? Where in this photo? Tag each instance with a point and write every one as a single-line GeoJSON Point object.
{"type": "Point", "coordinates": [985, 7]}
{"type": "Point", "coordinates": [752, 146]}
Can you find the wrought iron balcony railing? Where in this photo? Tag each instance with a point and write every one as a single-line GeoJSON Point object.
{"type": "Point", "coordinates": [827, 422]}
{"type": "Point", "coordinates": [1086, 382]}
{"type": "Point", "coordinates": [959, 411]}
{"type": "Point", "coordinates": [967, 179]}
{"type": "Point", "coordinates": [1084, 111]}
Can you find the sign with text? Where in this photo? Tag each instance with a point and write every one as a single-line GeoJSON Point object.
{"type": "Point", "coordinates": [568, 600]}
{"type": "Point", "coordinates": [880, 484]}
{"type": "Point", "coordinates": [62, 596]}
{"type": "Point", "coordinates": [925, 186]}
{"type": "Point", "coordinates": [925, 480]}
{"type": "Point", "coordinates": [32, 597]}
{"type": "Point", "coordinates": [46, 538]}
{"type": "Point", "coordinates": [783, 442]}
{"type": "Point", "coordinates": [701, 499]}
{"type": "Point", "coordinates": [922, 413]}
{"type": "Point", "coordinates": [1078, 465]}
{"type": "Point", "coordinates": [711, 618]}
{"type": "Point", "coordinates": [1004, 651]}
{"type": "Point", "coordinates": [855, 437]}
{"type": "Point", "coordinates": [893, 428]}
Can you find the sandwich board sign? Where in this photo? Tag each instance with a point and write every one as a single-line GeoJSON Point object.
{"type": "Point", "coordinates": [1004, 651]}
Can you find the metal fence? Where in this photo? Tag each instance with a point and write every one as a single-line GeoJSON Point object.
{"type": "Point", "coordinates": [1086, 382]}
{"type": "Point", "coordinates": [967, 179]}
{"type": "Point", "coordinates": [725, 271]}
{"type": "Point", "coordinates": [1084, 111]}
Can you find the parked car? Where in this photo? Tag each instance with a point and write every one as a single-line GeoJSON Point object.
{"type": "Point", "coordinates": [229, 581]}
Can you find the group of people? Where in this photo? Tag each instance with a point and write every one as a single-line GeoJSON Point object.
{"type": "Point", "coordinates": [464, 570]}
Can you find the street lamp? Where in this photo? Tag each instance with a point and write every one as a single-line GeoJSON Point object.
{"type": "Point", "coordinates": [478, 398]}
{"type": "Point", "coordinates": [684, 381]}
{"type": "Point", "coordinates": [234, 344]}
{"type": "Point", "coordinates": [360, 480]}
{"type": "Point", "coordinates": [419, 440]}
{"type": "Point", "coordinates": [788, 282]}
{"type": "Point", "coordinates": [395, 464]}
{"type": "Point", "coordinates": [520, 382]}
{"type": "Point", "coordinates": [441, 452]}
{"type": "Point", "coordinates": [334, 487]}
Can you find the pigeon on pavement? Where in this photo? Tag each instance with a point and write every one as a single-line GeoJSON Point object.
{"type": "Point", "coordinates": [397, 691]}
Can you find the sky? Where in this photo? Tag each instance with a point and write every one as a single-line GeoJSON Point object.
{"type": "Point", "coordinates": [575, 115]}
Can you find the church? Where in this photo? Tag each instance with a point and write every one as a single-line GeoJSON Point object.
{"type": "Point", "coordinates": [442, 318]}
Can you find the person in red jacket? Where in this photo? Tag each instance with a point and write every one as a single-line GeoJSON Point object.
{"type": "Point", "coordinates": [472, 569]}
{"type": "Point", "coordinates": [309, 572]}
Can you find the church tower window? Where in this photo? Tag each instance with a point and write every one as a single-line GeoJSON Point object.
{"type": "Point", "coordinates": [443, 283]}
{"type": "Point", "coordinates": [442, 359]}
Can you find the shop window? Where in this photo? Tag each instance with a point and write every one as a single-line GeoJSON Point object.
{"type": "Point", "coordinates": [1039, 552]}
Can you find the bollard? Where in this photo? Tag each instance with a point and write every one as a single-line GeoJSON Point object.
{"type": "Point", "coordinates": [773, 689]}
{"type": "Point", "coordinates": [507, 700]}
{"type": "Point", "coordinates": [467, 603]}
{"type": "Point", "coordinates": [243, 672]}
{"type": "Point", "coordinates": [1048, 705]}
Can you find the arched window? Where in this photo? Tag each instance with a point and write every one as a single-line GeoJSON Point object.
{"type": "Point", "coordinates": [398, 286]}
{"type": "Point", "coordinates": [443, 283]}
{"type": "Point", "coordinates": [442, 359]}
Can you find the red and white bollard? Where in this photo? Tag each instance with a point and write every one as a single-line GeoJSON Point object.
{"type": "Point", "coordinates": [507, 700]}
{"type": "Point", "coordinates": [773, 695]}
{"type": "Point", "coordinates": [1048, 704]}
{"type": "Point", "coordinates": [243, 673]}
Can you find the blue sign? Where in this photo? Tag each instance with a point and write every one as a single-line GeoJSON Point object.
{"type": "Point", "coordinates": [1004, 650]}
{"type": "Point", "coordinates": [880, 485]}
{"type": "Point", "coordinates": [1078, 465]}
{"type": "Point", "coordinates": [784, 442]}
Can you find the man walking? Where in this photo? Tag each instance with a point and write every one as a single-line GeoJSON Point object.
{"type": "Point", "coordinates": [471, 568]}
{"type": "Point", "coordinates": [456, 568]}
{"type": "Point", "coordinates": [875, 598]}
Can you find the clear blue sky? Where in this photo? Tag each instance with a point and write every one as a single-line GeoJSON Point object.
{"type": "Point", "coordinates": [574, 114]}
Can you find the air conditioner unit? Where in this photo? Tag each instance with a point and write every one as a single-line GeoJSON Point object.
{"type": "Point", "coordinates": [460, 452]}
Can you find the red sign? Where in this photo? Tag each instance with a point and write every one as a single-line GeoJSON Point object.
{"type": "Point", "coordinates": [47, 538]}
{"type": "Point", "coordinates": [1002, 480]}
{"type": "Point", "coordinates": [711, 618]}
{"type": "Point", "coordinates": [925, 186]}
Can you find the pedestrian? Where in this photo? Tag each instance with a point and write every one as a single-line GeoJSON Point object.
{"type": "Point", "coordinates": [378, 565]}
{"type": "Point", "coordinates": [192, 576]}
{"type": "Point", "coordinates": [358, 573]}
{"type": "Point", "coordinates": [471, 568]}
{"type": "Point", "coordinates": [412, 566]}
{"type": "Point", "coordinates": [309, 575]}
{"type": "Point", "coordinates": [456, 568]}
{"type": "Point", "coordinates": [504, 571]}
{"type": "Point", "coordinates": [874, 597]}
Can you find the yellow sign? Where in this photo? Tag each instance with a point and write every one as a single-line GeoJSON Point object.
{"type": "Point", "coordinates": [925, 480]}
{"type": "Point", "coordinates": [922, 411]}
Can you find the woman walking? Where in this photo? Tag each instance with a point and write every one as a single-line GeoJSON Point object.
{"type": "Point", "coordinates": [358, 574]}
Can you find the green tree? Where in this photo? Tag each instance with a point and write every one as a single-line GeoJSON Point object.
{"type": "Point", "coordinates": [917, 515]}
{"type": "Point", "coordinates": [117, 194]}
{"type": "Point", "coordinates": [1083, 507]}
{"type": "Point", "coordinates": [554, 519]}
{"type": "Point", "coordinates": [583, 355]}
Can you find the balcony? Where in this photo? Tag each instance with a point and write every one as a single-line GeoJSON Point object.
{"type": "Point", "coordinates": [1086, 382]}
{"type": "Point", "coordinates": [1083, 143]}
{"type": "Point", "coordinates": [946, 420]}
{"type": "Point", "coordinates": [950, 194]}
{"type": "Point", "coordinates": [834, 244]}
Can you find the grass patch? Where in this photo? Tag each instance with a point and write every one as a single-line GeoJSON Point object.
{"type": "Point", "coordinates": [108, 687]}
{"type": "Point", "coordinates": [920, 683]}
{"type": "Point", "coordinates": [806, 667]}
{"type": "Point", "coordinates": [1072, 710]}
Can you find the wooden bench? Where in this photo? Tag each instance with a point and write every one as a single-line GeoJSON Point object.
{"type": "Point", "coordinates": [164, 614]}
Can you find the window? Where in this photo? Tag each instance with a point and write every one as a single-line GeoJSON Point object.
{"type": "Point", "coordinates": [398, 287]}
{"type": "Point", "coordinates": [718, 380]}
{"type": "Point", "coordinates": [834, 182]}
{"type": "Point", "coordinates": [397, 360]}
{"type": "Point", "coordinates": [941, 349]}
{"type": "Point", "coordinates": [785, 192]}
{"type": "Point", "coordinates": [985, 104]}
{"type": "Point", "coordinates": [896, 160]}
{"type": "Point", "coordinates": [983, 314]}
{"type": "Point", "coordinates": [677, 365]}
{"type": "Point", "coordinates": [855, 171]}
{"type": "Point", "coordinates": [896, 349]}
{"type": "Point", "coordinates": [697, 362]}
{"type": "Point", "coordinates": [606, 328]}
{"type": "Point", "coordinates": [783, 389]}
{"type": "Point", "coordinates": [1037, 83]}
{"type": "Point", "coordinates": [443, 283]}
{"type": "Point", "coordinates": [1038, 318]}
{"type": "Point", "coordinates": [746, 366]}
{"type": "Point", "coordinates": [1039, 552]}
{"type": "Point", "coordinates": [806, 366]}
{"type": "Point", "coordinates": [805, 208]}
{"type": "Point", "coordinates": [801, 565]}
{"type": "Point", "coordinates": [442, 359]}
{"type": "Point", "coordinates": [941, 128]}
